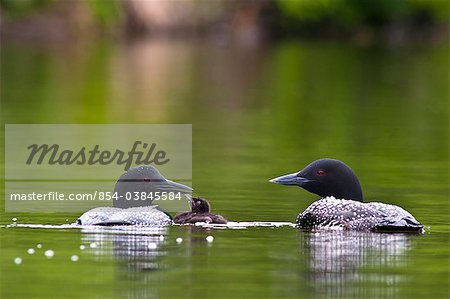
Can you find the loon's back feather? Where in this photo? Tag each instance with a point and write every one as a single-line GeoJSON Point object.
{"type": "Point", "coordinates": [106, 216]}
{"type": "Point", "coordinates": [97, 215]}
{"type": "Point", "coordinates": [354, 215]}
{"type": "Point", "coordinates": [148, 215]}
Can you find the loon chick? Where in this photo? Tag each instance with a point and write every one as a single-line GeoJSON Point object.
{"type": "Point", "coordinates": [342, 201]}
{"type": "Point", "coordinates": [200, 212]}
{"type": "Point", "coordinates": [142, 179]}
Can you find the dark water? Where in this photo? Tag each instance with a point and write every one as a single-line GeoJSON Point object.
{"type": "Point", "coordinates": [256, 114]}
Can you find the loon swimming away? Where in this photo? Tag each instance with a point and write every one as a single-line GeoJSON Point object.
{"type": "Point", "coordinates": [142, 179]}
{"type": "Point", "coordinates": [200, 212]}
{"type": "Point", "coordinates": [342, 204]}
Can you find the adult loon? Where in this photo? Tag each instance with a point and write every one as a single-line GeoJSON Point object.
{"type": "Point", "coordinates": [342, 204]}
{"type": "Point", "coordinates": [200, 212]}
{"type": "Point", "coordinates": [143, 180]}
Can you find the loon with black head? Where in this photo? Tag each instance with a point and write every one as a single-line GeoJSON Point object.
{"type": "Point", "coordinates": [126, 211]}
{"type": "Point", "coordinates": [342, 204]}
{"type": "Point", "coordinates": [200, 212]}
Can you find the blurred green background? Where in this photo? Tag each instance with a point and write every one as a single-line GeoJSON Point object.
{"type": "Point", "coordinates": [248, 22]}
{"type": "Point", "coordinates": [269, 86]}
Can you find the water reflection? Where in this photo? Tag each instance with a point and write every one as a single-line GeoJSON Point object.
{"type": "Point", "coordinates": [138, 247]}
{"type": "Point", "coordinates": [339, 260]}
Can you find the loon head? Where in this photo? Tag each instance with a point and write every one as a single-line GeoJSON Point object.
{"type": "Point", "coordinates": [200, 205]}
{"type": "Point", "coordinates": [325, 177]}
{"type": "Point", "coordinates": [143, 179]}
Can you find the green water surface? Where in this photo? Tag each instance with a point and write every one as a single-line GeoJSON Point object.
{"type": "Point", "coordinates": [256, 114]}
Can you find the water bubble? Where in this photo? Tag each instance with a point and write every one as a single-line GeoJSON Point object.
{"type": "Point", "coordinates": [74, 258]}
{"type": "Point", "coordinates": [18, 261]}
{"type": "Point", "coordinates": [152, 245]}
{"type": "Point", "coordinates": [209, 239]}
{"type": "Point", "coordinates": [30, 250]}
{"type": "Point", "coordinates": [14, 219]}
{"type": "Point", "coordinates": [39, 245]}
{"type": "Point", "coordinates": [82, 247]}
{"type": "Point", "coordinates": [179, 240]}
{"type": "Point", "coordinates": [93, 245]}
{"type": "Point", "coordinates": [49, 253]}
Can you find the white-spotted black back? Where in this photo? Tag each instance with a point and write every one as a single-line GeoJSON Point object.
{"type": "Point", "coordinates": [330, 212]}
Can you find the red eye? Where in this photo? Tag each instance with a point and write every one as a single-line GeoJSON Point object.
{"type": "Point", "coordinates": [320, 172]}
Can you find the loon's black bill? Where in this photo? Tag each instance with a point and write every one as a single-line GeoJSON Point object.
{"type": "Point", "coordinates": [290, 180]}
{"type": "Point", "coordinates": [177, 187]}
